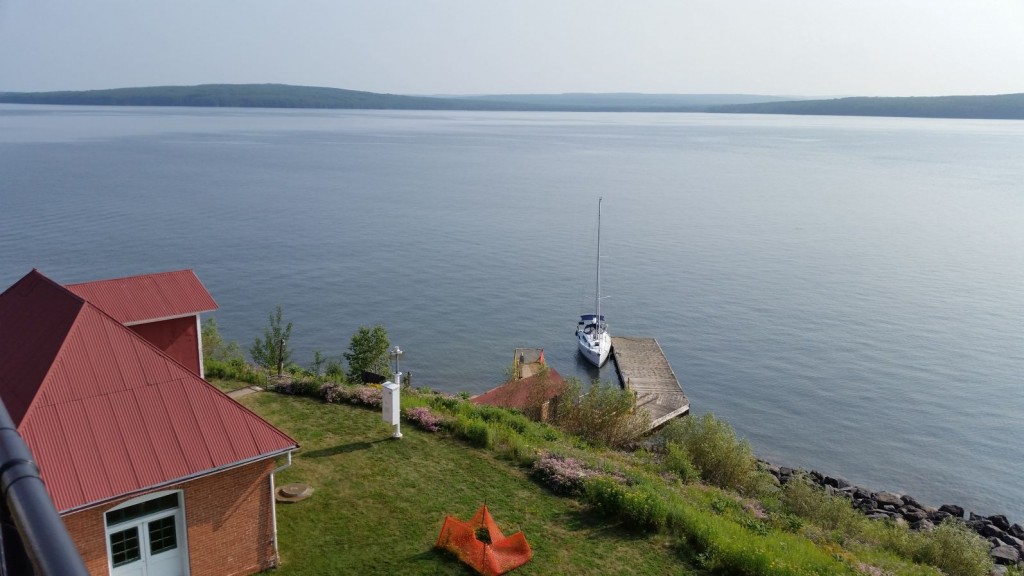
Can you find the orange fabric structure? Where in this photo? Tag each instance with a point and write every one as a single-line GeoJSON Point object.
{"type": "Point", "coordinates": [504, 553]}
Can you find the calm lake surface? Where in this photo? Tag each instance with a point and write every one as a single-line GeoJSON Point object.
{"type": "Point", "coordinates": [847, 292]}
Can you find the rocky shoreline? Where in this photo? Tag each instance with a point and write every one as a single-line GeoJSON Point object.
{"type": "Point", "coordinates": [1006, 539]}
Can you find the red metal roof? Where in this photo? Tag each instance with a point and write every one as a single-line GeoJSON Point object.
{"type": "Point", "coordinates": [148, 297]}
{"type": "Point", "coordinates": [104, 412]}
{"type": "Point", "coordinates": [522, 392]}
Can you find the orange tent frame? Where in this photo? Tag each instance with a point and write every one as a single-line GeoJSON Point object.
{"type": "Point", "coordinates": [504, 553]}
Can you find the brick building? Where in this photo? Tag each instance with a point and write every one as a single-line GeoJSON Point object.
{"type": "Point", "coordinates": [154, 471]}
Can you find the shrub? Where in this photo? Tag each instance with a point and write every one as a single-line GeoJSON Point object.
{"type": "Point", "coordinates": [335, 371]}
{"type": "Point", "coordinates": [813, 504]}
{"type": "Point", "coordinates": [366, 396]}
{"type": "Point", "coordinates": [448, 403]}
{"type": "Point", "coordinates": [299, 387]}
{"type": "Point", "coordinates": [605, 493]}
{"type": "Point", "coordinates": [471, 429]}
{"type": "Point", "coordinates": [644, 507]}
{"type": "Point", "coordinates": [955, 549]}
{"type": "Point", "coordinates": [677, 461]}
{"type": "Point", "coordinates": [234, 369]}
{"type": "Point", "coordinates": [423, 418]}
{"type": "Point", "coordinates": [712, 446]}
{"type": "Point", "coordinates": [510, 444]}
{"type": "Point", "coordinates": [358, 395]}
{"type": "Point", "coordinates": [603, 415]}
{"type": "Point", "coordinates": [561, 474]}
{"type": "Point", "coordinates": [331, 393]}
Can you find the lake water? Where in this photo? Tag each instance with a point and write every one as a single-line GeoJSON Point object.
{"type": "Point", "coordinates": [847, 292]}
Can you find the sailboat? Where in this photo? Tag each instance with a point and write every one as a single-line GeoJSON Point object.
{"type": "Point", "coordinates": [592, 331]}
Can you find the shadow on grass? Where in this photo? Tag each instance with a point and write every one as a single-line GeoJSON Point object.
{"type": "Point", "coordinates": [343, 449]}
{"type": "Point", "coordinates": [600, 526]}
{"type": "Point", "coordinates": [442, 559]}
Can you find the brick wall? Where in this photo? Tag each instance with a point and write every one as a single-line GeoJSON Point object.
{"type": "Point", "coordinates": [229, 522]}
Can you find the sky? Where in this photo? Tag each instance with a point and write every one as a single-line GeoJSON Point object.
{"type": "Point", "coordinates": [778, 47]}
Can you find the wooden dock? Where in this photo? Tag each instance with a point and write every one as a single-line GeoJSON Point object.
{"type": "Point", "coordinates": [643, 368]}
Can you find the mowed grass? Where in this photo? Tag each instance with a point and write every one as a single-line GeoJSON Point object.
{"type": "Point", "coordinates": [379, 503]}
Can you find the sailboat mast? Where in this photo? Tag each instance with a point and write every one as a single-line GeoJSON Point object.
{"type": "Point", "coordinates": [597, 296]}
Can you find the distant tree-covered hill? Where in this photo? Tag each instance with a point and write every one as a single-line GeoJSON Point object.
{"type": "Point", "coordinates": [624, 101]}
{"type": "Point", "coordinates": [1008, 106]}
{"type": "Point", "coordinates": [245, 96]}
{"type": "Point", "coordinates": [285, 96]}
{"type": "Point", "coordinates": [1005, 106]}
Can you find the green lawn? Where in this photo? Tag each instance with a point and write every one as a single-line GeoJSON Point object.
{"type": "Point", "coordinates": [379, 503]}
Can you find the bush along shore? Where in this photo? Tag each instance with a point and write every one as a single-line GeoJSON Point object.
{"type": "Point", "coordinates": [1006, 540]}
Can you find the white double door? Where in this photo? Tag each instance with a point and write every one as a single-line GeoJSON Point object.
{"type": "Point", "coordinates": [148, 546]}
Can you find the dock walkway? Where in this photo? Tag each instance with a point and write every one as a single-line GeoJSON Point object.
{"type": "Point", "coordinates": [643, 368]}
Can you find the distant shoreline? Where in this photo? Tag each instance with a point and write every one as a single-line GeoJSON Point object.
{"type": "Point", "coordinates": [997, 107]}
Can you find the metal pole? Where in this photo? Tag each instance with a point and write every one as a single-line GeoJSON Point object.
{"type": "Point", "coordinates": [280, 358]}
{"type": "Point", "coordinates": [43, 536]}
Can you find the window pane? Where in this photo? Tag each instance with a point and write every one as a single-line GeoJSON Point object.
{"type": "Point", "coordinates": [124, 546]}
{"type": "Point", "coordinates": [162, 535]}
{"type": "Point", "coordinates": [141, 509]}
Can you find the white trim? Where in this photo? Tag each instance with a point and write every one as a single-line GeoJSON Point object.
{"type": "Point", "coordinates": [273, 506]}
{"type": "Point", "coordinates": [151, 320]}
{"type": "Point", "coordinates": [199, 344]}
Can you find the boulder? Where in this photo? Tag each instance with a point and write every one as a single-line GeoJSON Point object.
{"type": "Point", "coordinates": [952, 509]}
{"type": "Point", "coordinates": [991, 531]}
{"type": "Point", "coordinates": [836, 482]}
{"type": "Point", "coordinates": [938, 516]}
{"type": "Point", "coordinates": [888, 498]}
{"type": "Point", "coordinates": [913, 514]}
{"type": "Point", "coordinates": [861, 493]}
{"type": "Point", "coordinates": [910, 501]}
{"type": "Point", "coordinates": [923, 526]}
{"type": "Point", "coordinates": [1017, 530]}
{"type": "Point", "coordinates": [1000, 521]}
{"type": "Point", "coordinates": [1005, 555]}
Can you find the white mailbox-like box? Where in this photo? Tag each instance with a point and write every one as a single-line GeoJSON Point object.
{"type": "Point", "coordinates": [390, 403]}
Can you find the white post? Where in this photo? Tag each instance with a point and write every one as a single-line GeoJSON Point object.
{"type": "Point", "coordinates": [390, 403]}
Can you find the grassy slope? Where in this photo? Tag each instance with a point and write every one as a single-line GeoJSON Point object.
{"type": "Point", "coordinates": [379, 503]}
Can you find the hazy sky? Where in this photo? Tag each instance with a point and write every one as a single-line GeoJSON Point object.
{"type": "Point", "coordinates": [786, 47]}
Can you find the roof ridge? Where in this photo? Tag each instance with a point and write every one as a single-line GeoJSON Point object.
{"type": "Point", "coordinates": [64, 341]}
{"type": "Point", "coordinates": [164, 273]}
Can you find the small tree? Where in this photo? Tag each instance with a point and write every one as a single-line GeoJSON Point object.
{"type": "Point", "coordinates": [214, 346]}
{"type": "Point", "coordinates": [317, 365]}
{"type": "Point", "coordinates": [368, 351]}
{"type": "Point", "coordinates": [272, 350]}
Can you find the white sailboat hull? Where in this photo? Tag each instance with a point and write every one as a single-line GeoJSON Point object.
{"type": "Point", "coordinates": [595, 348]}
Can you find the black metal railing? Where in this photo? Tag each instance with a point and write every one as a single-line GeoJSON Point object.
{"type": "Point", "coordinates": [33, 539]}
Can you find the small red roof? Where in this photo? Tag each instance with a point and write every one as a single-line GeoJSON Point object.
{"type": "Point", "coordinates": [104, 412]}
{"type": "Point", "coordinates": [521, 393]}
{"type": "Point", "coordinates": [148, 297]}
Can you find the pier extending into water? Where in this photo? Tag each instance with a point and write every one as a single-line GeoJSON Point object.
{"type": "Point", "coordinates": [643, 368]}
